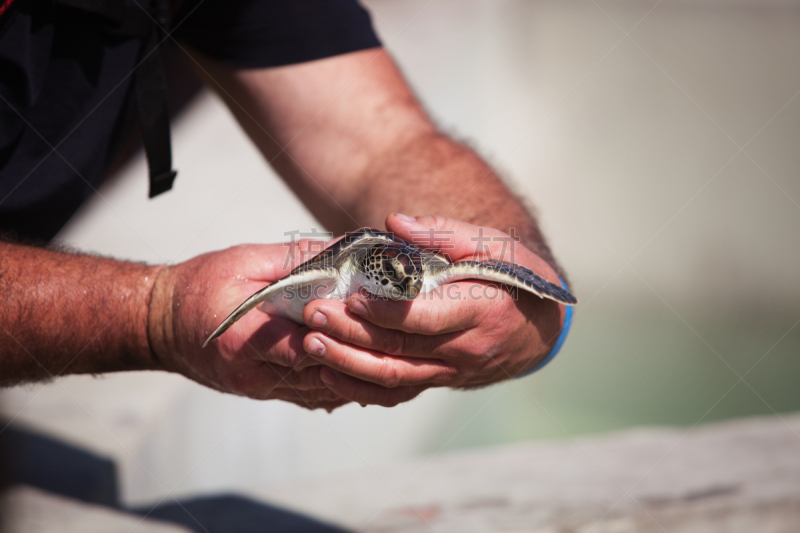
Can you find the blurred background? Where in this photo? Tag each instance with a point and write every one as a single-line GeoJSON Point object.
{"type": "Point", "coordinates": [660, 144]}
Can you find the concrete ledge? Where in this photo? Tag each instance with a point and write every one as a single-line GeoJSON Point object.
{"type": "Point", "coordinates": [728, 477]}
{"type": "Point", "coordinates": [28, 510]}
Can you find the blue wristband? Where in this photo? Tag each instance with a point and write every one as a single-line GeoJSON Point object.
{"type": "Point", "coordinates": [559, 343]}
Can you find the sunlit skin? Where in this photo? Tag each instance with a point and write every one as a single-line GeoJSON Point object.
{"type": "Point", "coordinates": [262, 357]}
{"type": "Point", "coordinates": [372, 347]}
{"type": "Point", "coordinates": [350, 139]}
{"type": "Point", "coordinates": [431, 324]}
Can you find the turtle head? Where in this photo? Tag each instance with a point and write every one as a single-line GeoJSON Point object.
{"type": "Point", "coordinates": [404, 275]}
{"type": "Point", "coordinates": [393, 271]}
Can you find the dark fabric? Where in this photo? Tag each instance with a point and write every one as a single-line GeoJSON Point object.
{"type": "Point", "coordinates": [7, 12]}
{"type": "Point", "coordinates": [150, 85]}
{"type": "Point", "coordinates": [274, 32]}
{"type": "Point", "coordinates": [66, 83]}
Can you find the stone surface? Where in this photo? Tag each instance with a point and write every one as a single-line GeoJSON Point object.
{"type": "Point", "coordinates": [738, 476]}
{"type": "Point", "coordinates": [28, 510]}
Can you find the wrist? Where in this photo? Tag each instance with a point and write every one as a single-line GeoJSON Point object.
{"type": "Point", "coordinates": [159, 319]}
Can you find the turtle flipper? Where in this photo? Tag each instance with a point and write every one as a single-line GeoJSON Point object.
{"type": "Point", "coordinates": [284, 297]}
{"type": "Point", "coordinates": [500, 272]}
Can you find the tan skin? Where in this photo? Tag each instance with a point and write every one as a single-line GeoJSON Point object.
{"type": "Point", "coordinates": [356, 146]}
{"type": "Point", "coordinates": [464, 334]}
{"type": "Point", "coordinates": [78, 314]}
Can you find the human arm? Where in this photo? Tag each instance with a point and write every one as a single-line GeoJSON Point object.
{"type": "Point", "coordinates": [349, 137]}
{"type": "Point", "coordinates": [69, 313]}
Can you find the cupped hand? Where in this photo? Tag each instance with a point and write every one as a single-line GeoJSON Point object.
{"type": "Point", "coordinates": [463, 334]}
{"type": "Point", "coordinates": [260, 356]}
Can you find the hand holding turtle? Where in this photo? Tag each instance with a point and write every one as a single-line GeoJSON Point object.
{"type": "Point", "coordinates": [463, 334]}
{"type": "Point", "coordinates": [262, 357]}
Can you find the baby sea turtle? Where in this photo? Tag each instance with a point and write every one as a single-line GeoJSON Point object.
{"type": "Point", "coordinates": [383, 265]}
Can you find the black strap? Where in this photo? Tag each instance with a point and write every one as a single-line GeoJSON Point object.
{"type": "Point", "coordinates": [150, 80]}
{"type": "Point", "coordinates": [151, 98]}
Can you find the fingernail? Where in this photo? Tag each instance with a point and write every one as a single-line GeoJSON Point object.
{"type": "Point", "coordinates": [327, 377]}
{"type": "Point", "coordinates": [315, 347]}
{"type": "Point", "coordinates": [405, 218]}
{"type": "Point", "coordinates": [318, 320]}
{"type": "Point", "coordinates": [357, 307]}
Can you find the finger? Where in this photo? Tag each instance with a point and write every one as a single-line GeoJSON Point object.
{"type": "Point", "coordinates": [451, 236]}
{"type": "Point", "coordinates": [334, 319]}
{"type": "Point", "coordinates": [376, 367]}
{"type": "Point", "coordinates": [449, 308]}
{"type": "Point", "coordinates": [304, 380]}
{"type": "Point", "coordinates": [311, 395]}
{"type": "Point", "coordinates": [267, 262]}
{"type": "Point", "coordinates": [309, 399]}
{"type": "Point", "coordinates": [327, 399]}
{"type": "Point", "coordinates": [331, 406]}
{"type": "Point", "coordinates": [262, 379]}
{"type": "Point", "coordinates": [461, 240]}
{"type": "Point", "coordinates": [366, 393]}
{"type": "Point", "coordinates": [328, 405]}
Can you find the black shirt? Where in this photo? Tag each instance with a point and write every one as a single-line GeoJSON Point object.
{"type": "Point", "coordinates": [66, 104]}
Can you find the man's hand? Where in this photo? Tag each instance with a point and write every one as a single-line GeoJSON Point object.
{"type": "Point", "coordinates": [262, 356]}
{"type": "Point", "coordinates": [348, 135]}
{"type": "Point", "coordinates": [464, 334]}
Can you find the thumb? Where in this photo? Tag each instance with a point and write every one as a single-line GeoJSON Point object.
{"type": "Point", "coordinates": [451, 236]}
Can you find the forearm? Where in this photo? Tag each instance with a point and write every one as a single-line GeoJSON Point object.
{"type": "Point", "coordinates": [71, 314]}
{"type": "Point", "coordinates": [434, 175]}
{"type": "Point", "coordinates": [350, 138]}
